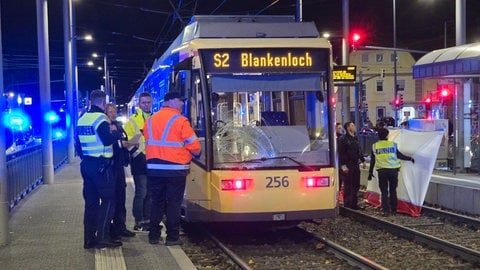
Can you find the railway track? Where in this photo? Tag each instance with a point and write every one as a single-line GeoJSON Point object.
{"type": "Point", "coordinates": [350, 242]}
{"type": "Point", "coordinates": [292, 248]}
{"type": "Point", "coordinates": [453, 233]}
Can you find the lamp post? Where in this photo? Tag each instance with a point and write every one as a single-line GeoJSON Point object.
{"type": "Point", "coordinates": [395, 89]}
{"type": "Point", "coordinates": [107, 79]}
{"type": "Point", "coordinates": [70, 68]}
{"type": "Point", "coordinates": [106, 73]}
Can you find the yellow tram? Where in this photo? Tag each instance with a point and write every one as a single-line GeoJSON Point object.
{"type": "Point", "coordinates": [258, 91]}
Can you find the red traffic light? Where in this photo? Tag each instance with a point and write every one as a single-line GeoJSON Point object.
{"type": "Point", "coordinates": [356, 37]}
{"type": "Point", "coordinates": [445, 92]}
{"type": "Point", "coordinates": [396, 101]}
{"type": "Point", "coordinates": [428, 100]}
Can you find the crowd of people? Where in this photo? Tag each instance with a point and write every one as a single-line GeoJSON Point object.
{"type": "Point", "coordinates": [157, 147]}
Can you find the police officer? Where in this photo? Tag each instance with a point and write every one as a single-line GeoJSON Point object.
{"type": "Point", "coordinates": [349, 157]}
{"type": "Point", "coordinates": [170, 143]}
{"type": "Point", "coordinates": [95, 137]}
{"type": "Point", "coordinates": [385, 159]}
{"type": "Point", "coordinates": [138, 164]}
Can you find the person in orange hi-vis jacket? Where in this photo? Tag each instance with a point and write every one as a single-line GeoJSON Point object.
{"type": "Point", "coordinates": [170, 143]}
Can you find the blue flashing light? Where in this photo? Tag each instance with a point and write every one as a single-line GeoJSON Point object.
{"type": "Point", "coordinates": [58, 133]}
{"type": "Point", "coordinates": [16, 120]}
{"type": "Point", "coordinates": [52, 117]}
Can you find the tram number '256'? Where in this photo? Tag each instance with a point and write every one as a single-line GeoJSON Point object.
{"type": "Point", "coordinates": [277, 181]}
{"type": "Point", "coordinates": [221, 60]}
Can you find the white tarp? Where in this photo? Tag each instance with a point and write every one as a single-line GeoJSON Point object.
{"type": "Point", "coordinates": [413, 179]}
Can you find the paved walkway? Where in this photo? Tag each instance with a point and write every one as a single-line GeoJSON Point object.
{"type": "Point", "coordinates": [46, 232]}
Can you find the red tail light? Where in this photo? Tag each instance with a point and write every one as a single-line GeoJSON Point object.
{"type": "Point", "coordinates": [235, 184]}
{"type": "Point", "coordinates": [316, 181]}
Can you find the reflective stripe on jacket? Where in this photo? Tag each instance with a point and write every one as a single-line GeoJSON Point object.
{"type": "Point", "coordinates": [132, 128]}
{"type": "Point", "coordinates": [385, 155]}
{"type": "Point", "coordinates": [169, 137]}
{"type": "Point", "coordinates": [90, 142]}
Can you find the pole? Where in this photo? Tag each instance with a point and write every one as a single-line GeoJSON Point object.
{"type": "Point", "coordinates": [460, 18]}
{"type": "Point", "coordinates": [107, 79]}
{"type": "Point", "coordinates": [345, 90]}
{"type": "Point", "coordinates": [395, 89]}
{"type": "Point", "coordinates": [74, 65]}
{"type": "Point", "coordinates": [460, 138]}
{"type": "Point", "coordinates": [4, 206]}
{"type": "Point", "coordinates": [44, 79]}
{"type": "Point", "coordinates": [68, 39]}
{"type": "Point", "coordinates": [299, 10]}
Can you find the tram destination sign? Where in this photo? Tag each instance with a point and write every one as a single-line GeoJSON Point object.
{"type": "Point", "coordinates": [344, 73]}
{"type": "Point", "coordinates": [262, 60]}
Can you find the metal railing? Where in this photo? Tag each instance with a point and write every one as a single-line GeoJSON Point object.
{"type": "Point", "coordinates": [24, 169]}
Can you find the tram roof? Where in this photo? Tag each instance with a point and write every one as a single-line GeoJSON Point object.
{"type": "Point", "coordinates": [459, 61]}
{"type": "Point", "coordinates": [248, 27]}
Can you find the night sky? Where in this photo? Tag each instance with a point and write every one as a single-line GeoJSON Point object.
{"type": "Point", "coordinates": [135, 32]}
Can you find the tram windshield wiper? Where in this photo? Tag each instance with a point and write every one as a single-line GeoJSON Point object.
{"type": "Point", "coordinates": [303, 167]}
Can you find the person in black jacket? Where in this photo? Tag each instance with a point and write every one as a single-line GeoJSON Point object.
{"type": "Point", "coordinates": [120, 160]}
{"type": "Point", "coordinates": [349, 157]}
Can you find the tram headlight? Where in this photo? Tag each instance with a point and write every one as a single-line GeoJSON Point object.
{"type": "Point", "coordinates": [235, 184]}
{"type": "Point", "coordinates": [316, 181]}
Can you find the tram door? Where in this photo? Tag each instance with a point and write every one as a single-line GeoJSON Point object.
{"type": "Point", "coordinates": [296, 103]}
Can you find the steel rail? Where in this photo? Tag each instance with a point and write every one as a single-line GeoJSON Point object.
{"type": "Point", "coordinates": [410, 234]}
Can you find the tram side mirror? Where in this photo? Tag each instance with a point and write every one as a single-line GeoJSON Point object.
{"type": "Point", "coordinates": [320, 97]}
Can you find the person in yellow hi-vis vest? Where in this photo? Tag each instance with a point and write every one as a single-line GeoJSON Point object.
{"type": "Point", "coordinates": [138, 163]}
{"type": "Point", "coordinates": [94, 144]}
{"type": "Point", "coordinates": [385, 158]}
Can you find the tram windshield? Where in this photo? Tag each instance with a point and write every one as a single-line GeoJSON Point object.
{"type": "Point", "coordinates": [265, 122]}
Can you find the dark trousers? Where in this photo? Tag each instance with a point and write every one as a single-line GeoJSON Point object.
{"type": "Point", "coordinates": [98, 193]}
{"type": "Point", "coordinates": [120, 216]}
{"type": "Point", "coordinates": [388, 182]}
{"type": "Point", "coordinates": [141, 200]}
{"type": "Point", "coordinates": [351, 185]}
{"type": "Point", "coordinates": [167, 196]}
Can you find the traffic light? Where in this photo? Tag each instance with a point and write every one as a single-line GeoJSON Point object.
{"type": "Point", "coordinates": [401, 100]}
{"type": "Point", "coordinates": [428, 106]}
{"type": "Point", "coordinates": [444, 92]}
{"type": "Point", "coordinates": [396, 102]}
{"type": "Point", "coordinates": [356, 37]}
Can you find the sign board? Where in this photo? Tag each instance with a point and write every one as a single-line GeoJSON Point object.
{"type": "Point", "coordinates": [344, 73]}
{"type": "Point", "coordinates": [27, 101]}
{"type": "Point", "coordinates": [265, 60]}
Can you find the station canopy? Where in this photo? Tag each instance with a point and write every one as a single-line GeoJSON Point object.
{"type": "Point", "coordinates": [454, 62]}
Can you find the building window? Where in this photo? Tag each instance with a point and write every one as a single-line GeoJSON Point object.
{"type": "Point", "coordinates": [379, 57]}
{"type": "Point", "coordinates": [380, 86]}
{"type": "Point", "coordinates": [365, 58]}
{"type": "Point", "coordinates": [380, 112]}
{"type": "Point", "coordinates": [400, 85]}
{"type": "Point", "coordinates": [392, 57]}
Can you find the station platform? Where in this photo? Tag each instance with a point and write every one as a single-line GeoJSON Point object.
{"type": "Point", "coordinates": [46, 232]}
